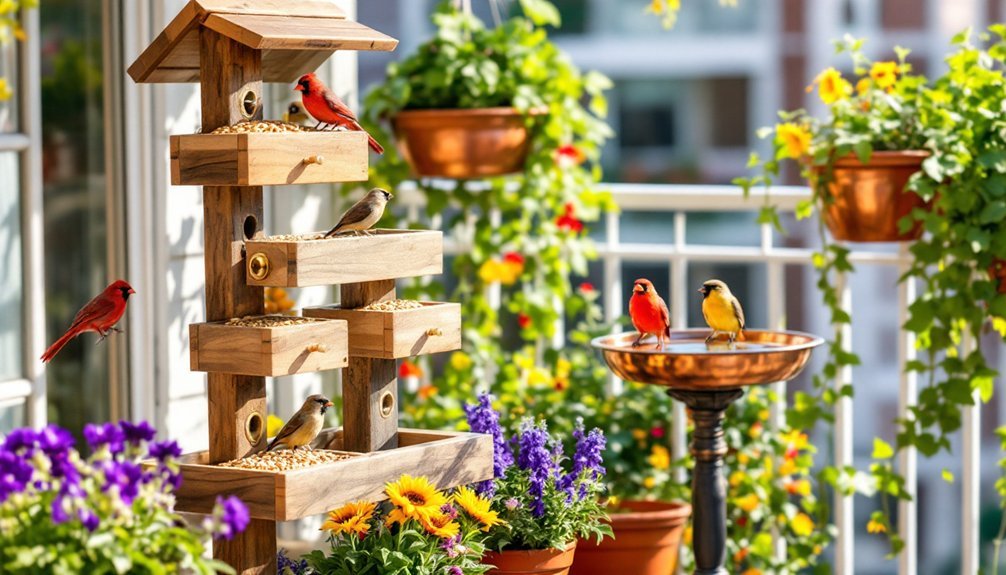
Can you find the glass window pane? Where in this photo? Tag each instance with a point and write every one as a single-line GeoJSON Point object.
{"type": "Point", "coordinates": [10, 268]}
{"type": "Point", "coordinates": [12, 416]}
{"type": "Point", "coordinates": [8, 74]}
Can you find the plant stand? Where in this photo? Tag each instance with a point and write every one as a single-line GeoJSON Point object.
{"type": "Point", "coordinates": [231, 47]}
{"type": "Point", "coordinates": [707, 379]}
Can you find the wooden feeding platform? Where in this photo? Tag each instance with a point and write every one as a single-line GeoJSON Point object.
{"type": "Point", "coordinates": [446, 458]}
{"type": "Point", "coordinates": [311, 260]}
{"type": "Point", "coordinates": [269, 346]}
{"type": "Point", "coordinates": [433, 327]}
{"type": "Point", "coordinates": [231, 47]}
{"type": "Point", "coordinates": [267, 159]}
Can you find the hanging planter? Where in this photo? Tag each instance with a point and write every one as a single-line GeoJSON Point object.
{"type": "Point", "coordinates": [868, 199]}
{"type": "Point", "coordinates": [534, 562]}
{"type": "Point", "coordinates": [647, 540]}
{"type": "Point", "coordinates": [463, 144]}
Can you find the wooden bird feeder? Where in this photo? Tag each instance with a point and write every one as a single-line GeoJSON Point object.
{"type": "Point", "coordinates": [433, 328]}
{"type": "Point", "coordinates": [231, 47]}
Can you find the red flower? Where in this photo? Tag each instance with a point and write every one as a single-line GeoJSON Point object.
{"type": "Point", "coordinates": [513, 258]}
{"type": "Point", "coordinates": [568, 156]}
{"type": "Point", "coordinates": [587, 287]}
{"type": "Point", "coordinates": [523, 320]}
{"type": "Point", "coordinates": [409, 369]}
{"type": "Point", "coordinates": [742, 521]}
{"type": "Point", "coordinates": [657, 432]}
{"type": "Point", "coordinates": [568, 221]}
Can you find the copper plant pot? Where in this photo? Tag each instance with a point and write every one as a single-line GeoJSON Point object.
{"type": "Point", "coordinates": [869, 199]}
{"type": "Point", "coordinates": [647, 540]}
{"type": "Point", "coordinates": [463, 144]}
{"type": "Point", "coordinates": [538, 562]}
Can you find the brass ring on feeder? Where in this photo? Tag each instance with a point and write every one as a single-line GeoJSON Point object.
{"type": "Point", "coordinates": [258, 266]}
{"type": "Point", "coordinates": [387, 404]}
{"type": "Point", "coordinates": [254, 428]}
{"type": "Point", "coordinates": [434, 332]}
{"type": "Point", "coordinates": [250, 104]}
{"type": "Point", "coordinates": [320, 160]}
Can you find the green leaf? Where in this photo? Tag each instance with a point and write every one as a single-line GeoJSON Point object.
{"type": "Point", "coordinates": [947, 475]}
{"type": "Point", "coordinates": [882, 449]}
{"type": "Point", "coordinates": [541, 12]}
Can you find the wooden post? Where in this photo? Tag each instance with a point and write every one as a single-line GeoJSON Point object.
{"type": "Point", "coordinates": [231, 84]}
{"type": "Point", "coordinates": [370, 386]}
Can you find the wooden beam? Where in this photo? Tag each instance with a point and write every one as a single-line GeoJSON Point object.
{"type": "Point", "coordinates": [232, 214]}
{"type": "Point", "coordinates": [370, 386]}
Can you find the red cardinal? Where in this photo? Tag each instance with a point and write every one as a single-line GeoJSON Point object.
{"type": "Point", "coordinates": [649, 313]}
{"type": "Point", "coordinates": [328, 108]}
{"type": "Point", "coordinates": [99, 315]}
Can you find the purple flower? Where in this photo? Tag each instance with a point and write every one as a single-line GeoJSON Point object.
{"type": "Point", "coordinates": [482, 418]}
{"type": "Point", "coordinates": [19, 439]}
{"type": "Point", "coordinates": [587, 462]}
{"type": "Point", "coordinates": [15, 474]}
{"type": "Point", "coordinates": [234, 517]}
{"type": "Point", "coordinates": [125, 475]}
{"type": "Point", "coordinates": [105, 434]}
{"type": "Point", "coordinates": [512, 504]}
{"type": "Point", "coordinates": [455, 570]}
{"type": "Point", "coordinates": [88, 519]}
{"type": "Point", "coordinates": [535, 457]}
{"type": "Point", "coordinates": [162, 450]}
{"type": "Point", "coordinates": [449, 510]}
{"type": "Point", "coordinates": [63, 468]}
{"type": "Point", "coordinates": [58, 511]}
{"type": "Point", "coordinates": [54, 440]}
{"type": "Point", "coordinates": [284, 563]}
{"type": "Point", "coordinates": [450, 545]}
{"type": "Point", "coordinates": [137, 433]}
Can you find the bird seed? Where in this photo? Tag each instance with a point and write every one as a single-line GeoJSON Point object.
{"type": "Point", "coordinates": [269, 320]}
{"type": "Point", "coordinates": [261, 127]}
{"type": "Point", "coordinates": [392, 305]}
{"type": "Point", "coordinates": [292, 238]}
{"type": "Point", "coordinates": [286, 459]}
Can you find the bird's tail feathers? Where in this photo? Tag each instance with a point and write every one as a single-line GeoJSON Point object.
{"type": "Point", "coordinates": [58, 345]}
{"type": "Point", "coordinates": [378, 148]}
{"type": "Point", "coordinates": [272, 444]}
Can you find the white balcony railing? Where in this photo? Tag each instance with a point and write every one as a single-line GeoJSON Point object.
{"type": "Point", "coordinates": [678, 202]}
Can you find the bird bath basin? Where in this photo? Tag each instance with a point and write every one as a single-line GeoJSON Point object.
{"type": "Point", "coordinates": [708, 378]}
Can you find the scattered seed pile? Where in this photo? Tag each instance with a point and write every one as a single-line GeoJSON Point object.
{"type": "Point", "coordinates": [291, 238]}
{"type": "Point", "coordinates": [286, 460]}
{"type": "Point", "coordinates": [262, 127]}
{"type": "Point", "coordinates": [393, 305]}
{"type": "Point", "coordinates": [269, 320]}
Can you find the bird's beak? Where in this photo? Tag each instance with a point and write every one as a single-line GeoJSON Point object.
{"type": "Point", "coordinates": [298, 88]}
{"type": "Point", "coordinates": [132, 291]}
{"type": "Point", "coordinates": [638, 288]}
{"type": "Point", "coordinates": [329, 404]}
{"type": "Point", "coordinates": [702, 290]}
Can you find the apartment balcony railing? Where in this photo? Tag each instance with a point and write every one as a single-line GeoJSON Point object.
{"type": "Point", "coordinates": [678, 202]}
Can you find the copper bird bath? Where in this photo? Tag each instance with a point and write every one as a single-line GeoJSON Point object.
{"type": "Point", "coordinates": [707, 379]}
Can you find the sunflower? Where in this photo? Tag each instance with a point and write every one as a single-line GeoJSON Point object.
{"type": "Point", "coordinates": [477, 508]}
{"type": "Point", "coordinates": [440, 525]}
{"type": "Point", "coordinates": [350, 518]}
{"type": "Point", "coordinates": [416, 497]}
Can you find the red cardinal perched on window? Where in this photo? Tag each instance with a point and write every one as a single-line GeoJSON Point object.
{"type": "Point", "coordinates": [99, 315]}
{"type": "Point", "coordinates": [329, 109]}
{"type": "Point", "coordinates": [649, 313]}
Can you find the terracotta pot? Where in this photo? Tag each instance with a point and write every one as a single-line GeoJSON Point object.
{"type": "Point", "coordinates": [463, 144]}
{"type": "Point", "coordinates": [540, 562]}
{"type": "Point", "coordinates": [647, 540]}
{"type": "Point", "coordinates": [997, 273]}
{"type": "Point", "coordinates": [871, 198]}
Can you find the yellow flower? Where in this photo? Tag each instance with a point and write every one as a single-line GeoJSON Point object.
{"type": "Point", "coordinates": [831, 86]}
{"type": "Point", "coordinates": [539, 376]}
{"type": "Point", "coordinates": [350, 518]}
{"type": "Point", "coordinates": [563, 368]}
{"type": "Point", "coordinates": [415, 496]}
{"type": "Point", "coordinates": [748, 503]}
{"type": "Point", "coordinates": [798, 487]}
{"type": "Point", "coordinates": [272, 425]}
{"type": "Point", "coordinates": [477, 508]}
{"type": "Point", "coordinates": [885, 74]}
{"type": "Point", "coordinates": [687, 536]}
{"type": "Point", "coordinates": [440, 525]}
{"type": "Point", "coordinates": [764, 414]}
{"type": "Point", "coordinates": [492, 271]}
{"type": "Point", "coordinates": [639, 434]}
{"type": "Point", "coordinates": [460, 361]}
{"type": "Point", "coordinates": [659, 458]}
{"type": "Point", "coordinates": [5, 91]}
{"type": "Point", "coordinates": [862, 86]}
{"type": "Point", "coordinates": [736, 478]}
{"type": "Point", "coordinates": [875, 527]}
{"type": "Point", "coordinates": [657, 6]}
{"type": "Point", "coordinates": [756, 430]}
{"type": "Point", "coordinates": [752, 571]}
{"type": "Point", "coordinates": [649, 483]}
{"type": "Point", "coordinates": [802, 525]}
{"type": "Point", "coordinates": [743, 458]}
{"type": "Point", "coordinates": [787, 467]}
{"type": "Point", "coordinates": [794, 439]}
{"type": "Point", "coordinates": [795, 140]}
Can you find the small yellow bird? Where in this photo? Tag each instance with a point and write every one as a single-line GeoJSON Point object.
{"type": "Point", "coordinates": [305, 425]}
{"type": "Point", "coordinates": [295, 114]}
{"type": "Point", "coordinates": [722, 311]}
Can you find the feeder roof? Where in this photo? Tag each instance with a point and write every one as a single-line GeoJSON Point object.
{"type": "Point", "coordinates": [295, 37]}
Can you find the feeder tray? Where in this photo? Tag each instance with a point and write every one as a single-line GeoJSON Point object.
{"type": "Point", "coordinates": [434, 327]}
